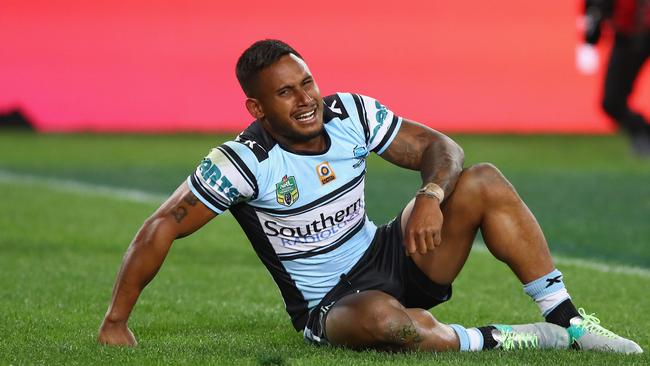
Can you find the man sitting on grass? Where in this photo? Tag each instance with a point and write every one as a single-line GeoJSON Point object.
{"type": "Point", "coordinates": [294, 180]}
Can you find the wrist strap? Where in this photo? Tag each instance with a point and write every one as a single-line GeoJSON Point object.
{"type": "Point", "coordinates": [432, 190]}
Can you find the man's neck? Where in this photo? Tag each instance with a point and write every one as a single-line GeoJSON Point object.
{"type": "Point", "coordinates": [315, 145]}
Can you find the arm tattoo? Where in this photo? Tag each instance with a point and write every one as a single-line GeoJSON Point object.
{"type": "Point", "coordinates": [179, 213]}
{"type": "Point", "coordinates": [191, 199]}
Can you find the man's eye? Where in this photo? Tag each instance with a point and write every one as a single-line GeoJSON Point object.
{"type": "Point", "coordinates": [283, 92]}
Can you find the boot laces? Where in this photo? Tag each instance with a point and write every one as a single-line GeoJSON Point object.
{"type": "Point", "coordinates": [516, 340]}
{"type": "Point", "coordinates": [592, 325]}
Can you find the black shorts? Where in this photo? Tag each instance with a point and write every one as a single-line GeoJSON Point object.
{"type": "Point", "coordinates": [384, 267]}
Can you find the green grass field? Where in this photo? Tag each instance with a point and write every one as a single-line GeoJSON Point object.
{"type": "Point", "coordinates": [70, 204]}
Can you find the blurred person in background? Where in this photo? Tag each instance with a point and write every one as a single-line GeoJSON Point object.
{"type": "Point", "coordinates": [630, 21]}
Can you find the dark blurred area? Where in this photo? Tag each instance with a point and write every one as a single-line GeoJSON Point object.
{"type": "Point", "coordinates": [15, 120]}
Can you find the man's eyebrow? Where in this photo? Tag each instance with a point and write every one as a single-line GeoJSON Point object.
{"type": "Point", "coordinates": [283, 87]}
{"type": "Point", "coordinates": [291, 86]}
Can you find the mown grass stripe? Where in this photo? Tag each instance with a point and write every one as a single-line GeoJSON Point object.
{"type": "Point", "coordinates": [134, 195]}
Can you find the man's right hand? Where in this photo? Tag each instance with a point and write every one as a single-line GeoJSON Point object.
{"type": "Point", "coordinates": [116, 334]}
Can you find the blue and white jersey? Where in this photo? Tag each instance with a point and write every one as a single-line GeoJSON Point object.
{"type": "Point", "coordinates": [303, 213]}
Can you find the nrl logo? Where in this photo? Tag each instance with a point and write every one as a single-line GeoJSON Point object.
{"type": "Point", "coordinates": [287, 191]}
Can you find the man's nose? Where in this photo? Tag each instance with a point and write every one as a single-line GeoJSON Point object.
{"type": "Point", "coordinates": [305, 97]}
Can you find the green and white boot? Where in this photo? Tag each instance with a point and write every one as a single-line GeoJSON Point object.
{"type": "Point", "coordinates": [586, 333]}
{"type": "Point", "coordinates": [530, 336]}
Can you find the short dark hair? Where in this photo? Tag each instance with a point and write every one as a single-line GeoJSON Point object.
{"type": "Point", "coordinates": [257, 57]}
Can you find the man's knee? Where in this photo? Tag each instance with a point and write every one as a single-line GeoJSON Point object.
{"type": "Point", "coordinates": [482, 180]}
{"type": "Point", "coordinates": [393, 326]}
{"type": "Point", "coordinates": [371, 319]}
{"type": "Point", "coordinates": [380, 318]}
{"type": "Point", "coordinates": [483, 171]}
{"type": "Point", "coordinates": [423, 318]}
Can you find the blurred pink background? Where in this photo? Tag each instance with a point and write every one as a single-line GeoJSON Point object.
{"type": "Point", "coordinates": [134, 66]}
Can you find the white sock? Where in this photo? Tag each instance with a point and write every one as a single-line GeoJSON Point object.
{"type": "Point", "coordinates": [475, 339]}
{"type": "Point", "coordinates": [470, 339]}
{"type": "Point", "coordinates": [548, 291]}
{"type": "Point", "coordinates": [548, 303]}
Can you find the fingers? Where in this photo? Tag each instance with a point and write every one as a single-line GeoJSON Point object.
{"type": "Point", "coordinates": [437, 239]}
{"type": "Point", "coordinates": [119, 339]}
{"type": "Point", "coordinates": [421, 240]}
{"type": "Point", "coordinates": [426, 241]}
{"type": "Point", "coordinates": [116, 335]}
{"type": "Point", "coordinates": [429, 242]}
{"type": "Point", "coordinates": [410, 242]}
{"type": "Point", "coordinates": [422, 227]}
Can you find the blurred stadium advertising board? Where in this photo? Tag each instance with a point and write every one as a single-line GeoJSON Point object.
{"type": "Point", "coordinates": [139, 66]}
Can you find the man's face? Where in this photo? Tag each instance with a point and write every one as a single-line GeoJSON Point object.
{"type": "Point", "coordinates": [288, 101]}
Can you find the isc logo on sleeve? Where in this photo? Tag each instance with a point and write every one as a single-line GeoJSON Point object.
{"type": "Point", "coordinates": [325, 173]}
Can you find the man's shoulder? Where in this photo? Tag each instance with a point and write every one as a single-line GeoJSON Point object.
{"type": "Point", "coordinates": [257, 140]}
{"type": "Point", "coordinates": [343, 105]}
{"type": "Point", "coordinates": [350, 107]}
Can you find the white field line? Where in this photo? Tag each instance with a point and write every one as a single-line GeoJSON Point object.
{"type": "Point", "coordinates": [82, 188]}
{"type": "Point", "coordinates": [134, 195]}
{"type": "Point", "coordinates": [480, 247]}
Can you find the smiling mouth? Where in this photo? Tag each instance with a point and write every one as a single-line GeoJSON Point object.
{"type": "Point", "coordinates": [306, 117]}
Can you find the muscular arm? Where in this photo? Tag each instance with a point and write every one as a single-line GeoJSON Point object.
{"type": "Point", "coordinates": [179, 216]}
{"type": "Point", "coordinates": [439, 160]}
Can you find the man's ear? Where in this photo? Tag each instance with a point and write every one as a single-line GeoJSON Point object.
{"type": "Point", "coordinates": [254, 108]}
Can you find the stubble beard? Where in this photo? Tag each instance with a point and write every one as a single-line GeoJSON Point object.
{"type": "Point", "coordinates": [296, 138]}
